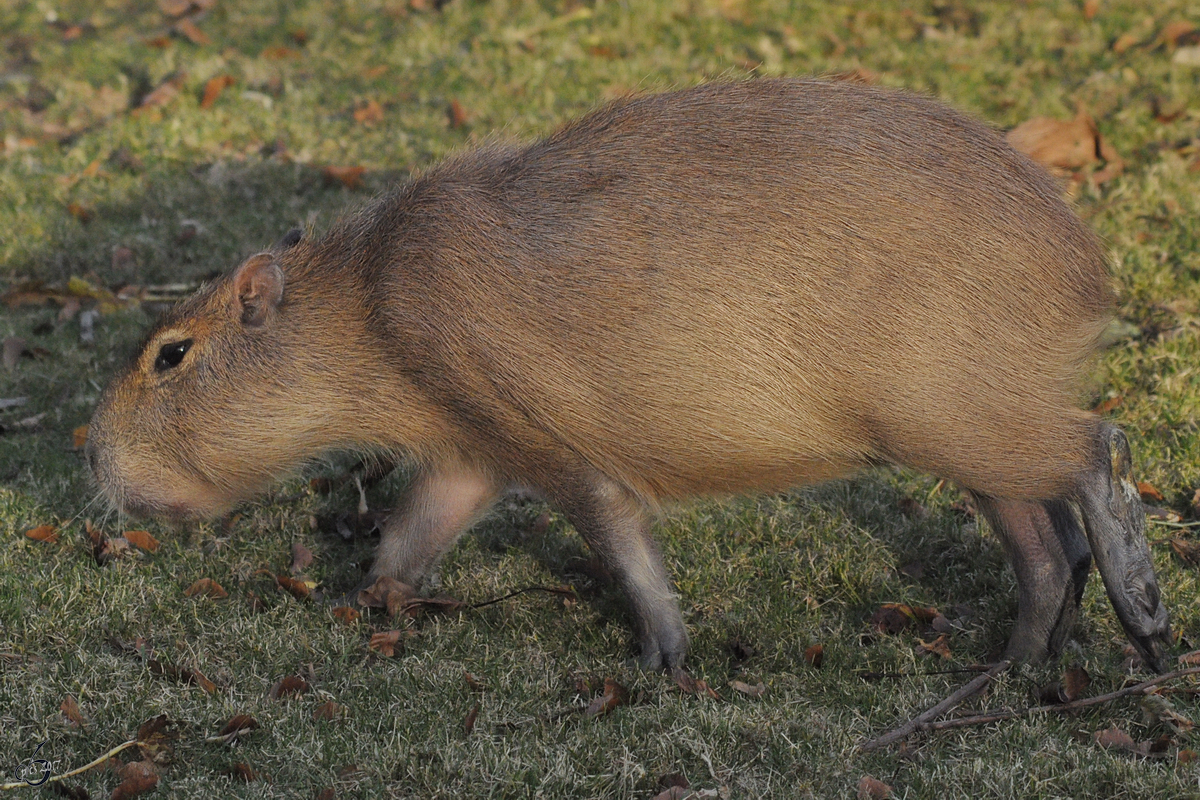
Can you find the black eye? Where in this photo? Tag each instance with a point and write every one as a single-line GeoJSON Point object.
{"type": "Point", "coordinates": [171, 354]}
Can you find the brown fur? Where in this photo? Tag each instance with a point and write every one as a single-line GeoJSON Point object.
{"type": "Point", "coordinates": [731, 288]}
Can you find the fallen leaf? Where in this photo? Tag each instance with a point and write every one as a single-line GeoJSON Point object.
{"type": "Point", "coordinates": [1058, 144]}
{"type": "Point", "coordinates": [1188, 551]}
{"type": "Point", "coordinates": [1186, 756]}
{"type": "Point", "coordinates": [206, 587]}
{"type": "Point", "coordinates": [1158, 709]}
{"type": "Point", "coordinates": [1125, 41]}
{"type": "Point", "coordinates": [872, 789]}
{"type": "Point", "coordinates": [302, 557]}
{"type": "Point", "coordinates": [79, 436]}
{"type": "Point", "coordinates": [1176, 33]}
{"type": "Point", "coordinates": [674, 793]}
{"type": "Point", "coordinates": [377, 594]}
{"type": "Point", "coordinates": [143, 540]}
{"type": "Point", "coordinates": [369, 113]}
{"type": "Point", "coordinates": [894, 617]}
{"type": "Point", "coordinates": [469, 722]}
{"type": "Point", "coordinates": [1191, 659]}
{"type": "Point", "coordinates": [1075, 682]}
{"type": "Point", "coordinates": [137, 778]}
{"type": "Point", "coordinates": [938, 647]}
{"type": "Point", "coordinates": [299, 588]}
{"type": "Point", "coordinates": [386, 643]}
{"type": "Point", "coordinates": [814, 655]}
{"type": "Point", "coordinates": [278, 53]}
{"type": "Point", "coordinates": [457, 114]}
{"type": "Point", "coordinates": [328, 710]}
{"type": "Point", "coordinates": [347, 615]}
{"type": "Point", "coordinates": [689, 685]}
{"type": "Point", "coordinates": [191, 31]}
{"type": "Point", "coordinates": [473, 683]}
{"type": "Point", "coordinates": [237, 726]}
{"type": "Point", "coordinates": [287, 687]}
{"type": "Point", "coordinates": [751, 691]}
{"type": "Point", "coordinates": [614, 695]}
{"type": "Point", "coordinates": [155, 738]}
{"type": "Point", "coordinates": [162, 94]}
{"type": "Point", "coordinates": [43, 533]}
{"type": "Point", "coordinates": [1090, 9]}
{"type": "Point", "coordinates": [70, 710]}
{"type": "Point", "coordinates": [1114, 738]}
{"type": "Point", "coordinates": [1109, 404]}
{"type": "Point", "coordinates": [213, 88]}
{"type": "Point", "coordinates": [350, 177]}
{"type": "Point", "coordinates": [1149, 492]}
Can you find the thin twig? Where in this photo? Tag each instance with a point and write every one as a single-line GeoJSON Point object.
{"type": "Point", "coordinates": [1003, 714]}
{"type": "Point", "coordinates": [65, 775]}
{"type": "Point", "coordinates": [975, 686]}
{"type": "Point", "coordinates": [561, 591]}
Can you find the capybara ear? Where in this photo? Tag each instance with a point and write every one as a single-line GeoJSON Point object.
{"type": "Point", "coordinates": [290, 239]}
{"type": "Point", "coordinates": [258, 287]}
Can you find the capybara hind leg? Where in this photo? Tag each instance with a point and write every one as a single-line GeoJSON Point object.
{"type": "Point", "coordinates": [442, 503]}
{"type": "Point", "coordinates": [616, 527]}
{"type": "Point", "coordinates": [1116, 527]}
{"type": "Point", "coordinates": [1050, 558]}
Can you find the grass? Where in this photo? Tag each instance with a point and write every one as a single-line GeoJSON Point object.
{"type": "Point", "coordinates": [178, 192]}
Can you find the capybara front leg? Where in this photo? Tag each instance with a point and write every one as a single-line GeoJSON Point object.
{"type": "Point", "coordinates": [1112, 511]}
{"type": "Point", "coordinates": [441, 504]}
{"type": "Point", "coordinates": [1049, 556]}
{"type": "Point", "coordinates": [616, 527]}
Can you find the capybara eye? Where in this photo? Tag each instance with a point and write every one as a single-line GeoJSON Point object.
{"type": "Point", "coordinates": [171, 354]}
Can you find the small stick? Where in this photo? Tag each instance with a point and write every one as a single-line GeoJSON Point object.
{"type": "Point", "coordinates": [975, 686]}
{"type": "Point", "coordinates": [1003, 714]}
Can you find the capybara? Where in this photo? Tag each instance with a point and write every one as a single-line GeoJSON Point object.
{"type": "Point", "coordinates": [733, 288]}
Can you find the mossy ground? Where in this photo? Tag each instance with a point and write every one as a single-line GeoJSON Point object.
{"type": "Point", "coordinates": [89, 188]}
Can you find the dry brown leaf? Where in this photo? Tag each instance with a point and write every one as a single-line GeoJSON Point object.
{"type": "Point", "coordinates": [80, 212]}
{"type": "Point", "coordinates": [1090, 9]}
{"type": "Point", "coordinates": [689, 685]}
{"type": "Point", "coordinates": [1114, 738]}
{"type": "Point", "coordinates": [1186, 756]}
{"type": "Point", "coordinates": [1191, 659]}
{"type": "Point", "coordinates": [614, 695]}
{"type": "Point", "coordinates": [350, 177]}
{"type": "Point", "coordinates": [328, 710]}
{"type": "Point", "coordinates": [236, 726]}
{"type": "Point", "coordinates": [155, 738]}
{"type": "Point", "coordinates": [369, 113]}
{"type": "Point", "coordinates": [873, 789]}
{"type": "Point", "coordinates": [674, 793]}
{"type": "Point", "coordinates": [376, 595]}
{"type": "Point", "coordinates": [80, 434]}
{"type": "Point", "coordinates": [386, 643]}
{"type": "Point", "coordinates": [751, 691]}
{"type": "Point", "coordinates": [1058, 144]}
{"type": "Point", "coordinates": [287, 687]}
{"type": "Point", "coordinates": [1149, 492]}
{"type": "Point", "coordinates": [1188, 551]}
{"type": "Point", "coordinates": [191, 31]}
{"type": "Point", "coordinates": [473, 683]}
{"type": "Point", "coordinates": [814, 655]}
{"type": "Point", "coordinates": [347, 614]}
{"type": "Point", "coordinates": [70, 710]}
{"type": "Point", "coordinates": [213, 88]}
{"type": "Point", "coordinates": [43, 533]}
{"type": "Point", "coordinates": [457, 114]}
{"type": "Point", "coordinates": [1177, 33]}
{"type": "Point", "coordinates": [938, 647]}
{"type": "Point", "coordinates": [143, 540]}
{"type": "Point", "coordinates": [1075, 682]}
{"type": "Point", "coordinates": [302, 557]}
{"type": "Point", "coordinates": [278, 53]}
{"type": "Point", "coordinates": [469, 722]}
{"type": "Point", "coordinates": [206, 587]}
{"type": "Point", "coordinates": [299, 588]}
{"type": "Point", "coordinates": [1108, 405]}
{"type": "Point", "coordinates": [137, 778]}
{"type": "Point", "coordinates": [894, 617]}
{"type": "Point", "coordinates": [162, 94]}
{"type": "Point", "coordinates": [1125, 41]}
